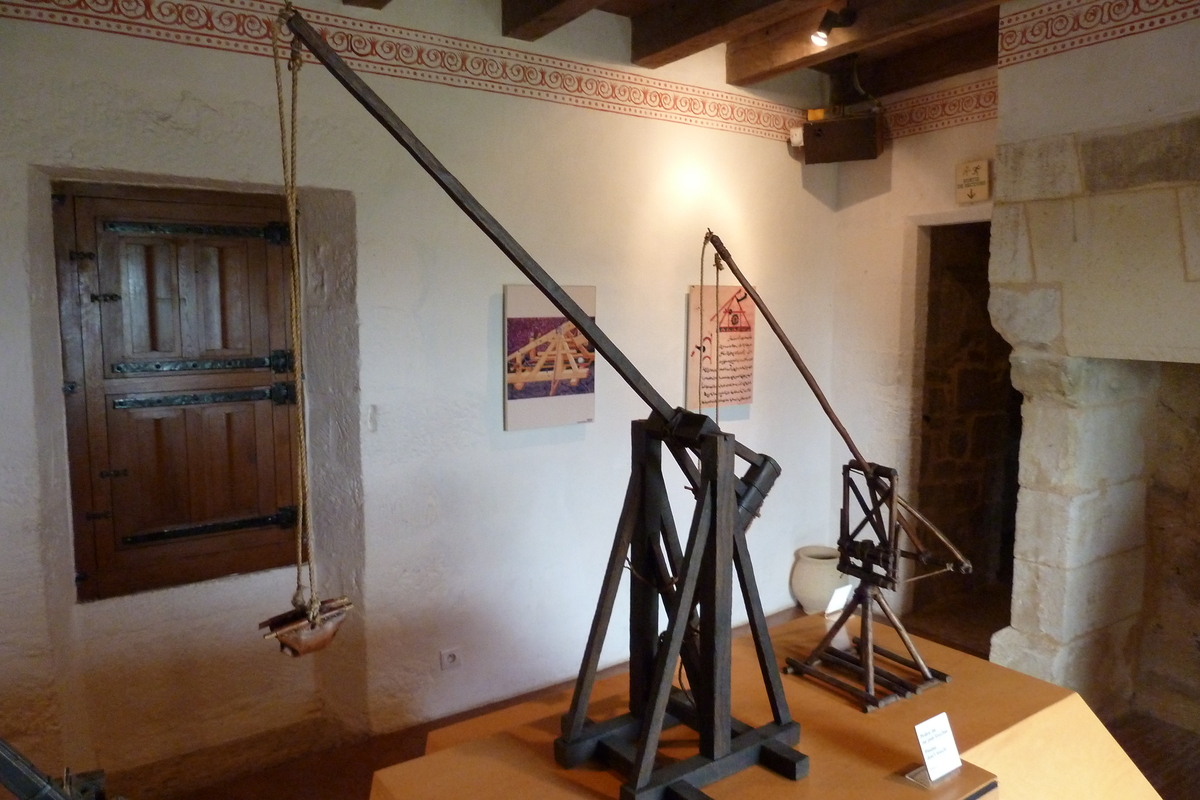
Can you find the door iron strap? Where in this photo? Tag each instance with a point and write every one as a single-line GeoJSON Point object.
{"type": "Point", "coordinates": [278, 393]}
{"type": "Point", "coordinates": [272, 232]}
{"type": "Point", "coordinates": [283, 518]}
{"type": "Point", "coordinates": [278, 361]}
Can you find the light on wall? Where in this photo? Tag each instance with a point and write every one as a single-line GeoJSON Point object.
{"type": "Point", "coordinates": [831, 20]}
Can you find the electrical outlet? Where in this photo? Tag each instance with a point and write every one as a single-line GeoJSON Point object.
{"type": "Point", "coordinates": [451, 658]}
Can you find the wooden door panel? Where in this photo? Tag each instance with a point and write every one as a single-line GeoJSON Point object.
{"type": "Point", "coordinates": [190, 296]}
{"type": "Point", "coordinates": [149, 300]}
{"type": "Point", "coordinates": [227, 285]}
{"type": "Point", "coordinates": [224, 461]}
{"type": "Point", "coordinates": [150, 445]}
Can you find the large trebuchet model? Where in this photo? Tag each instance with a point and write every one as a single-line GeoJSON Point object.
{"type": "Point", "coordinates": [27, 782]}
{"type": "Point", "coordinates": [694, 586]}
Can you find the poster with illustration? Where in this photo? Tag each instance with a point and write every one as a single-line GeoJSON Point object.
{"type": "Point", "coordinates": [720, 366]}
{"type": "Point", "coordinates": [549, 366]}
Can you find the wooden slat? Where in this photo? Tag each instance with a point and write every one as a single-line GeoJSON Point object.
{"type": "Point", "coordinates": [788, 46]}
{"type": "Point", "coordinates": [673, 31]}
{"type": "Point", "coordinates": [532, 19]}
{"type": "Point", "coordinates": [73, 374]}
{"type": "Point", "coordinates": [965, 52]}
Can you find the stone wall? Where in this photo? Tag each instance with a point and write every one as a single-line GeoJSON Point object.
{"type": "Point", "coordinates": [1168, 683]}
{"type": "Point", "coordinates": [1092, 244]}
{"type": "Point", "coordinates": [968, 413]}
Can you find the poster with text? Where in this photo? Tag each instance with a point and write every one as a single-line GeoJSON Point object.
{"type": "Point", "coordinates": [720, 366]}
{"type": "Point", "coordinates": [549, 366]}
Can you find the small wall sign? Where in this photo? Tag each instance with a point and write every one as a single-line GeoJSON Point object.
{"type": "Point", "coordinates": [972, 183]}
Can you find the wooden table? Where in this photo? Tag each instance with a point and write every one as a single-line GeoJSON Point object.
{"type": "Point", "coordinates": [1037, 740]}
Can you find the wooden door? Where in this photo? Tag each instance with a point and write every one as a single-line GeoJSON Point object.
{"type": "Point", "coordinates": [180, 419]}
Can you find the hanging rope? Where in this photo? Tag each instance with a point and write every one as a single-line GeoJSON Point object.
{"type": "Point", "coordinates": [717, 343]}
{"type": "Point", "coordinates": [287, 149]}
{"type": "Point", "coordinates": [717, 267]}
{"type": "Point", "coordinates": [700, 333]}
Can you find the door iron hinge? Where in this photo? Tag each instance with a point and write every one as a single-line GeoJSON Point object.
{"type": "Point", "coordinates": [70, 387]}
{"type": "Point", "coordinates": [284, 517]}
{"type": "Point", "coordinates": [105, 298]}
{"type": "Point", "coordinates": [283, 393]}
{"type": "Point", "coordinates": [94, 515]}
{"type": "Point", "coordinates": [81, 255]}
{"type": "Point", "coordinates": [282, 361]}
{"type": "Point", "coordinates": [114, 473]}
{"type": "Point", "coordinates": [80, 577]}
{"type": "Point", "coordinates": [276, 233]}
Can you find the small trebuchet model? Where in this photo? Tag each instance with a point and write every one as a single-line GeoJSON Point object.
{"type": "Point", "coordinates": [869, 548]}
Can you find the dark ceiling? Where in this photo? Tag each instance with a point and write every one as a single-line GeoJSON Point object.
{"type": "Point", "coordinates": [893, 44]}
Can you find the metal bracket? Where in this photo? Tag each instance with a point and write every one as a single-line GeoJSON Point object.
{"type": "Point", "coordinates": [91, 516]}
{"type": "Point", "coordinates": [272, 232]}
{"type": "Point", "coordinates": [285, 517]}
{"type": "Point", "coordinates": [276, 233]}
{"type": "Point", "coordinates": [114, 473]}
{"type": "Point", "coordinates": [282, 393]}
{"type": "Point", "coordinates": [81, 255]}
{"type": "Point", "coordinates": [279, 361]}
{"type": "Point", "coordinates": [105, 298]}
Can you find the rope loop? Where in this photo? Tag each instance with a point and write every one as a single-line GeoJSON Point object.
{"type": "Point", "coordinates": [288, 150]}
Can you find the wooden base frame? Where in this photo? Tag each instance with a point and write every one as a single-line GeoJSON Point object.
{"type": "Point", "coordinates": [696, 590]}
{"type": "Point", "coordinates": [875, 687]}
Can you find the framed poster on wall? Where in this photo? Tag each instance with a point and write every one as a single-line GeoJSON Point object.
{"type": "Point", "coordinates": [549, 366]}
{"type": "Point", "coordinates": [720, 365]}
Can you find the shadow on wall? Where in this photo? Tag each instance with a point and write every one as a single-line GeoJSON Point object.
{"type": "Point", "coordinates": [859, 181]}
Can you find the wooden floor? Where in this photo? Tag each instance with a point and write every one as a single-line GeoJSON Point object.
{"type": "Point", "coordinates": [1169, 757]}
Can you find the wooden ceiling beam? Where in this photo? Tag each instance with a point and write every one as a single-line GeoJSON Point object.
{"type": "Point", "coordinates": [787, 45]}
{"type": "Point", "coordinates": [963, 52]}
{"type": "Point", "coordinates": [674, 30]}
{"type": "Point", "coordinates": [530, 20]}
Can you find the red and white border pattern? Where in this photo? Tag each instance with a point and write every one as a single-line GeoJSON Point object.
{"type": "Point", "coordinates": [946, 108]}
{"type": "Point", "coordinates": [1063, 25]}
{"type": "Point", "coordinates": [244, 26]}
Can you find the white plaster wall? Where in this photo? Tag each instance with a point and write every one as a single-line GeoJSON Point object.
{"type": "Point", "coordinates": [884, 209]}
{"type": "Point", "coordinates": [490, 542]}
{"type": "Point", "coordinates": [1132, 80]}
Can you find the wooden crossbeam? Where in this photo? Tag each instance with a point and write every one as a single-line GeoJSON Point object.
{"type": "Point", "coordinates": [671, 31]}
{"type": "Point", "coordinates": [787, 45]}
{"type": "Point", "coordinates": [532, 19]}
{"type": "Point", "coordinates": [970, 50]}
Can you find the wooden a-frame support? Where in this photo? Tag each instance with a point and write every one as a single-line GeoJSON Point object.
{"type": "Point", "coordinates": [696, 589]}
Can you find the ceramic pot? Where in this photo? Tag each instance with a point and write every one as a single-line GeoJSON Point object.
{"type": "Point", "coordinates": [815, 576]}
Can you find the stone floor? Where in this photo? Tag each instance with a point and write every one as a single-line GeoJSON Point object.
{"type": "Point", "coordinates": [964, 622]}
{"type": "Point", "coordinates": [1169, 756]}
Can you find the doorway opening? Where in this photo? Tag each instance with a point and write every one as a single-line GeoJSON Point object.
{"type": "Point", "coordinates": [970, 444]}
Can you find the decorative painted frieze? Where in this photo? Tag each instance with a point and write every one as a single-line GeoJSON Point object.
{"type": "Point", "coordinates": [1062, 25]}
{"type": "Point", "coordinates": [945, 108]}
{"type": "Point", "coordinates": [244, 26]}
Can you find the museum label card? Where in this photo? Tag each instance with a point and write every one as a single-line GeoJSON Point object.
{"type": "Point", "coordinates": [938, 747]}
